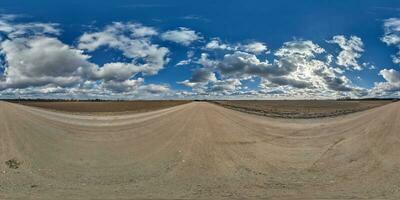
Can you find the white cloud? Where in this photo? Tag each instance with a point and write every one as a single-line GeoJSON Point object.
{"type": "Point", "coordinates": [203, 75]}
{"type": "Point", "coordinates": [122, 86]}
{"type": "Point", "coordinates": [117, 35]}
{"type": "Point", "coordinates": [117, 71]}
{"type": "Point", "coordinates": [182, 36]}
{"type": "Point", "coordinates": [189, 60]}
{"type": "Point", "coordinates": [295, 69]}
{"type": "Point", "coordinates": [391, 85]}
{"type": "Point", "coordinates": [252, 47]}
{"type": "Point", "coordinates": [40, 61]}
{"type": "Point", "coordinates": [133, 40]}
{"type": "Point", "coordinates": [225, 87]}
{"type": "Point", "coordinates": [183, 62]}
{"type": "Point", "coordinates": [392, 29]}
{"type": "Point", "coordinates": [329, 59]}
{"type": "Point", "coordinates": [153, 89]}
{"type": "Point", "coordinates": [13, 30]}
{"type": "Point", "coordinates": [217, 44]}
{"type": "Point", "coordinates": [206, 62]}
{"type": "Point", "coordinates": [351, 51]}
{"type": "Point", "coordinates": [391, 75]}
{"type": "Point", "coordinates": [255, 47]}
{"type": "Point", "coordinates": [200, 78]}
{"type": "Point", "coordinates": [241, 64]}
{"type": "Point", "coordinates": [392, 36]}
{"type": "Point", "coordinates": [299, 49]}
{"type": "Point", "coordinates": [36, 62]}
{"type": "Point", "coordinates": [134, 87]}
{"type": "Point", "coordinates": [319, 75]}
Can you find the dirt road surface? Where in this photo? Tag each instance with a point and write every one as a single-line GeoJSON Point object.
{"type": "Point", "coordinates": [198, 151]}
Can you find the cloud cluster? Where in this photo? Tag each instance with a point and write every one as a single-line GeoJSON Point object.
{"type": "Point", "coordinates": [34, 59]}
{"type": "Point", "coordinates": [351, 51]}
{"type": "Point", "coordinates": [39, 61]}
{"type": "Point", "coordinates": [392, 36]}
{"type": "Point", "coordinates": [295, 70]}
{"type": "Point", "coordinates": [390, 87]}
{"type": "Point", "coordinates": [134, 41]}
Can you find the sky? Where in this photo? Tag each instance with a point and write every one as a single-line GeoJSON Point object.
{"type": "Point", "coordinates": [176, 49]}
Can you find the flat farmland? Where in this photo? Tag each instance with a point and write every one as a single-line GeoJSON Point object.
{"type": "Point", "coordinates": [301, 108]}
{"type": "Point", "coordinates": [104, 106]}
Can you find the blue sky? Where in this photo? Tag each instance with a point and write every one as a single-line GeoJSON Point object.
{"type": "Point", "coordinates": [225, 49]}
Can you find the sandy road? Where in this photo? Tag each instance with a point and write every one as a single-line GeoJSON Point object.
{"type": "Point", "coordinates": [198, 151]}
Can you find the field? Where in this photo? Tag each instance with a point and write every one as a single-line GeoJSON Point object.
{"type": "Point", "coordinates": [103, 106]}
{"type": "Point", "coordinates": [197, 150]}
{"type": "Point", "coordinates": [301, 108]}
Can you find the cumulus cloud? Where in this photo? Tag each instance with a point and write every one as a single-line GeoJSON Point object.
{"type": "Point", "coordinates": [351, 51]}
{"type": "Point", "coordinates": [317, 73]}
{"type": "Point", "coordinates": [213, 86]}
{"type": "Point", "coordinates": [391, 75]}
{"type": "Point", "coordinates": [295, 69]}
{"type": "Point", "coordinates": [40, 61]}
{"type": "Point", "coordinates": [391, 84]}
{"type": "Point", "coordinates": [116, 71]}
{"type": "Point", "coordinates": [182, 36]}
{"type": "Point", "coordinates": [225, 87]}
{"type": "Point", "coordinates": [133, 40]}
{"type": "Point", "coordinates": [153, 89]}
{"type": "Point", "coordinates": [244, 64]}
{"type": "Point", "coordinates": [122, 86]}
{"type": "Point", "coordinates": [200, 78]}
{"type": "Point", "coordinates": [297, 58]}
{"type": "Point", "coordinates": [203, 75]}
{"type": "Point", "coordinates": [332, 81]}
{"type": "Point", "coordinates": [36, 61]}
